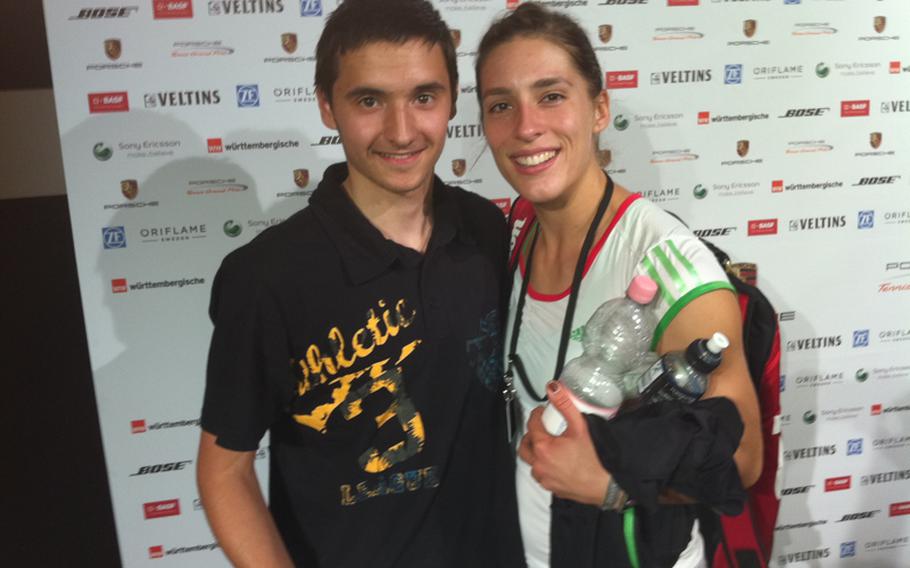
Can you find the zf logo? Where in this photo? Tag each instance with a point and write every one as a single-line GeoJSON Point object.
{"type": "Point", "coordinates": [310, 7]}
{"type": "Point", "coordinates": [865, 219]}
{"type": "Point", "coordinates": [848, 549]}
{"type": "Point", "coordinates": [247, 96]}
{"type": "Point", "coordinates": [733, 74]}
{"type": "Point", "coordinates": [855, 447]}
{"type": "Point", "coordinates": [113, 237]}
{"type": "Point", "coordinates": [861, 338]}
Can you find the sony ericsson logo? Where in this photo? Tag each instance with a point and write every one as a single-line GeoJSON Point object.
{"type": "Point", "coordinates": [620, 123]}
{"type": "Point", "coordinates": [231, 228]}
{"type": "Point", "coordinates": [102, 152]}
{"type": "Point", "coordinates": [822, 70]}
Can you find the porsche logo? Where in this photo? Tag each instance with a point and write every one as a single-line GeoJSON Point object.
{"type": "Point", "coordinates": [456, 37]}
{"type": "Point", "coordinates": [875, 140]}
{"type": "Point", "coordinates": [289, 42]}
{"type": "Point", "coordinates": [742, 148]}
{"type": "Point", "coordinates": [605, 33]}
{"type": "Point", "coordinates": [113, 49]}
{"type": "Point", "coordinates": [604, 157]}
{"type": "Point", "coordinates": [302, 178]}
{"type": "Point", "coordinates": [879, 23]}
{"type": "Point", "coordinates": [459, 167]}
{"type": "Point", "coordinates": [129, 188]}
{"type": "Point", "coordinates": [749, 27]}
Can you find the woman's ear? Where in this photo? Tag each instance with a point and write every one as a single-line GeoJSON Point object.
{"type": "Point", "coordinates": [601, 111]}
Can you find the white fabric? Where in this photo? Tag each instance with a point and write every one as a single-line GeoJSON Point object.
{"type": "Point", "coordinates": [644, 240]}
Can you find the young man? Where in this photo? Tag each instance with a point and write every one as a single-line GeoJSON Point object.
{"type": "Point", "coordinates": [363, 334]}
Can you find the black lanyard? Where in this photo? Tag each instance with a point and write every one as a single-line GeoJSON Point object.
{"type": "Point", "coordinates": [514, 360]}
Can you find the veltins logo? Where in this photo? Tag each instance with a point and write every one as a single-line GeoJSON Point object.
{"type": "Point", "coordinates": [309, 8]}
{"type": "Point", "coordinates": [861, 338]}
{"type": "Point", "coordinates": [113, 237]}
{"type": "Point", "coordinates": [865, 219]}
{"type": "Point", "coordinates": [158, 509]}
{"type": "Point", "coordinates": [854, 108]}
{"type": "Point", "coordinates": [757, 227]}
{"type": "Point", "coordinates": [733, 74]}
{"type": "Point", "coordinates": [247, 96]}
{"type": "Point", "coordinates": [115, 101]}
{"type": "Point", "coordinates": [622, 79]}
{"type": "Point", "coordinates": [841, 483]}
{"type": "Point", "coordinates": [855, 447]}
{"type": "Point", "coordinates": [171, 9]}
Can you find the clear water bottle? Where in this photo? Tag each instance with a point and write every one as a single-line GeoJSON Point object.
{"type": "Point", "coordinates": [616, 339]}
{"type": "Point", "coordinates": [683, 375]}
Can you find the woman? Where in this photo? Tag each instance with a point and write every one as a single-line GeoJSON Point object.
{"type": "Point", "coordinates": [583, 239]}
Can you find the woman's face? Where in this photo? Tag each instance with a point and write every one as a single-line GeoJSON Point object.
{"type": "Point", "coordinates": [539, 118]}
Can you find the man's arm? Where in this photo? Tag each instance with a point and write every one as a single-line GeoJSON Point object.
{"type": "Point", "coordinates": [235, 507]}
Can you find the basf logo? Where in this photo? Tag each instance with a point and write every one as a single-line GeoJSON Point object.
{"type": "Point", "coordinates": [622, 79]}
{"type": "Point", "coordinates": [841, 483]}
{"type": "Point", "coordinates": [172, 9]}
{"type": "Point", "coordinates": [854, 108]}
{"type": "Point", "coordinates": [115, 101]}
{"type": "Point", "coordinates": [757, 227]}
{"type": "Point", "coordinates": [158, 509]}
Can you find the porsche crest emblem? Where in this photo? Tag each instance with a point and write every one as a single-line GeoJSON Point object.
{"type": "Point", "coordinates": [604, 158]}
{"type": "Point", "coordinates": [875, 140]}
{"type": "Point", "coordinates": [605, 33]}
{"type": "Point", "coordinates": [742, 148]}
{"type": "Point", "coordinates": [879, 23]}
{"type": "Point", "coordinates": [302, 178]}
{"type": "Point", "coordinates": [750, 27]}
{"type": "Point", "coordinates": [129, 188]}
{"type": "Point", "coordinates": [289, 42]}
{"type": "Point", "coordinates": [459, 167]}
{"type": "Point", "coordinates": [456, 37]}
{"type": "Point", "coordinates": [113, 49]}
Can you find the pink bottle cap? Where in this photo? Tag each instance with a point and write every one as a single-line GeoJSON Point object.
{"type": "Point", "coordinates": [642, 289]}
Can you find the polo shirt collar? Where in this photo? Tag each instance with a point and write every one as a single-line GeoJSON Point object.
{"type": "Point", "coordinates": [364, 251]}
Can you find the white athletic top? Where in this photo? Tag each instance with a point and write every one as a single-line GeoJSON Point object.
{"type": "Point", "coordinates": [641, 239]}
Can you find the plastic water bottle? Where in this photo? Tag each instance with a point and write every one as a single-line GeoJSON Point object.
{"type": "Point", "coordinates": [683, 375]}
{"type": "Point", "coordinates": [616, 339]}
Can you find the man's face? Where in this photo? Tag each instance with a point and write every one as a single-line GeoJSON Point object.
{"type": "Point", "coordinates": [391, 104]}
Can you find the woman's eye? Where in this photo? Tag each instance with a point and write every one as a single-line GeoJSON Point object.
{"type": "Point", "coordinates": [553, 97]}
{"type": "Point", "coordinates": [498, 107]}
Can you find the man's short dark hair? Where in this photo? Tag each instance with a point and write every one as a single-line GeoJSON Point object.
{"type": "Point", "coordinates": [356, 23]}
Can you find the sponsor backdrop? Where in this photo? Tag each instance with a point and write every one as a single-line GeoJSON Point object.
{"type": "Point", "coordinates": [779, 129]}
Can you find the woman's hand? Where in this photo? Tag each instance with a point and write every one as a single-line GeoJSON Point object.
{"type": "Point", "coordinates": [566, 465]}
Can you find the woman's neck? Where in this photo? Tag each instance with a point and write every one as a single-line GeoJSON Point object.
{"type": "Point", "coordinates": [565, 222]}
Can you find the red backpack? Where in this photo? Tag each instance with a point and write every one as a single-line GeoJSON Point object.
{"type": "Point", "coordinates": [746, 540]}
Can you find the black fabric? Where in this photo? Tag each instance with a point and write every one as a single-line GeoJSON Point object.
{"type": "Point", "coordinates": [666, 445]}
{"type": "Point", "coordinates": [377, 371]}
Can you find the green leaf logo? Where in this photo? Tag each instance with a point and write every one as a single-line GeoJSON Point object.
{"type": "Point", "coordinates": [102, 152]}
{"type": "Point", "coordinates": [822, 70]}
{"type": "Point", "coordinates": [700, 191]}
{"type": "Point", "coordinates": [620, 122]}
{"type": "Point", "coordinates": [231, 228]}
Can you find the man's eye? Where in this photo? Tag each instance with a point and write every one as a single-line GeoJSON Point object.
{"type": "Point", "coordinates": [425, 99]}
{"type": "Point", "coordinates": [368, 102]}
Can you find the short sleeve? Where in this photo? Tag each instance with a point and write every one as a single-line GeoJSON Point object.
{"type": "Point", "coordinates": [248, 377]}
{"type": "Point", "coordinates": [684, 269]}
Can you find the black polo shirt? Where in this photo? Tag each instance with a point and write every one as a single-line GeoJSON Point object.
{"type": "Point", "coordinates": [377, 371]}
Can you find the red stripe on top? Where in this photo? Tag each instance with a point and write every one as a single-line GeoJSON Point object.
{"type": "Point", "coordinates": [592, 255]}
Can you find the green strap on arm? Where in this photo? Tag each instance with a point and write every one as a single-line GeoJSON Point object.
{"type": "Point", "coordinates": [628, 527]}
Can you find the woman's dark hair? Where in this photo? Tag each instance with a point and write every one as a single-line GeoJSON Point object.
{"type": "Point", "coordinates": [356, 23]}
{"type": "Point", "coordinates": [532, 20]}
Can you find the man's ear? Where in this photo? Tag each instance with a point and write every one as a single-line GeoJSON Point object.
{"type": "Point", "coordinates": [325, 110]}
{"type": "Point", "coordinates": [601, 111]}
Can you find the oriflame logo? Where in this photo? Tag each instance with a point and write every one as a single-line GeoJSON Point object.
{"type": "Point", "coordinates": [504, 204]}
{"type": "Point", "coordinates": [895, 67]}
{"type": "Point", "coordinates": [854, 108]}
{"type": "Point", "coordinates": [622, 79]}
{"type": "Point", "coordinates": [897, 509]}
{"type": "Point", "coordinates": [156, 551]}
{"type": "Point", "coordinates": [215, 146]}
{"type": "Point", "coordinates": [170, 9]}
{"type": "Point", "coordinates": [137, 426]}
{"type": "Point", "coordinates": [837, 483]}
{"type": "Point", "coordinates": [876, 409]}
{"type": "Point", "coordinates": [118, 285]}
{"type": "Point", "coordinates": [704, 117]}
{"type": "Point", "coordinates": [777, 186]}
{"type": "Point", "coordinates": [117, 101]}
{"type": "Point", "coordinates": [762, 227]}
{"type": "Point", "coordinates": [158, 509]}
